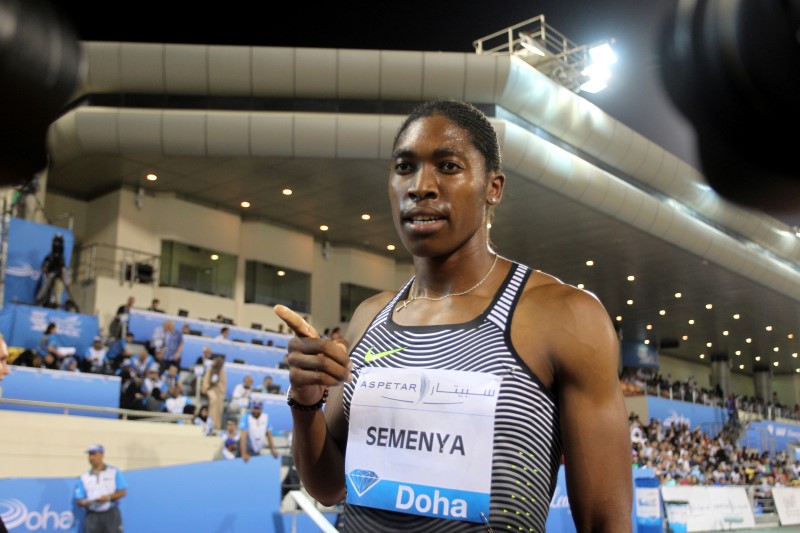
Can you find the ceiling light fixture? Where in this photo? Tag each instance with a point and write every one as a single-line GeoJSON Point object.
{"type": "Point", "coordinates": [151, 177]}
{"type": "Point", "coordinates": [365, 216]}
{"type": "Point", "coordinates": [323, 228]}
{"type": "Point", "coordinates": [287, 192]}
{"type": "Point", "coordinates": [245, 204]}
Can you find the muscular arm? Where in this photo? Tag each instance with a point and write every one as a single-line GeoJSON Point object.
{"type": "Point", "coordinates": [319, 437]}
{"type": "Point", "coordinates": [594, 429]}
{"type": "Point", "coordinates": [566, 337]}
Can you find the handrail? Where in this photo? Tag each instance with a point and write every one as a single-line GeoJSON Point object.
{"type": "Point", "coordinates": [109, 260]}
{"type": "Point", "coordinates": [308, 506]}
{"type": "Point", "coordinates": [125, 413]}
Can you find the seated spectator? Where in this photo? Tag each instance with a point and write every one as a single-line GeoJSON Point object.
{"type": "Point", "coordinates": [153, 388]}
{"type": "Point", "coordinates": [119, 350]}
{"type": "Point", "coordinates": [95, 358]}
{"type": "Point", "coordinates": [171, 376]}
{"type": "Point", "coordinates": [230, 448]}
{"type": "Point", "coordinates": [154, 306]}
{"type": "Point", "coordinates": [231, 430]}
{"type": "Point", "coordinates": [142, 362]}
{"type": "Point", "coordinates": [69, 364]}
{"type": "Point", "coordinates": [336, 334]}
{"type": "Point", "coordinates": [177, 402]}
{"type": "Point", "coordinates": [230, 440]}
{"type": "Point", "coordinates": [224, 333]}
{"type": "Point", "coordinates": [202, 418]}
{"type": "Point", "coordinates": [205, 356]}
{"type": "Point", "coordinates": [268, 386]}
{"type": "Point", "coordinates": [242, 392]}
{"type": "Point", "coordinates": [48, 347]}
{"type": "Point", "coordinates": [131, 395]}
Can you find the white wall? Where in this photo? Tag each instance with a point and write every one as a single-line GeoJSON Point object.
{"type": "Point", "coordinates": [742, 384]}
{"type": "Point", "coordinates": [681, 370]}
{"type": "Point", "coordinates": [116, 219]}
{"type": "Point", "coordinates": [58, 206]}
{"type": "Point", "coordinates": [787, 389]}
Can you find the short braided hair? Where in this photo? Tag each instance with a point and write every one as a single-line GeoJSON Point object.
{"type": "Point", "coordinates": [467, 117]}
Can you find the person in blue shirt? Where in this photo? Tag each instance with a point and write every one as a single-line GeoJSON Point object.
{"type": "Point", "coordinates": [48, 347]}
{"type": "Point", "coordinates": [119, 349]}
{"type": "Point", "coordinates": [99, 491]}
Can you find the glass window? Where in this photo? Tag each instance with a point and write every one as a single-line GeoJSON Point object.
{"type": "Point", "coordinates": [351, 297]}
{"type": "Point", "coordinates": [272, 285]}
{"type": "Point", "coordinates": [197, 269]}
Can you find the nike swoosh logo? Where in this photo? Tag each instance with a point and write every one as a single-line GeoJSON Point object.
{"type": "Point", "coordinates": [369, 357]}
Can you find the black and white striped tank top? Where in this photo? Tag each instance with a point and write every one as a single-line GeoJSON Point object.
{"type": "Point", "coordinates": [527, 443]}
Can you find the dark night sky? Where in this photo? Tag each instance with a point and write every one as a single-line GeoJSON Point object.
{"type": "Point", "coordinates": [635, 95]}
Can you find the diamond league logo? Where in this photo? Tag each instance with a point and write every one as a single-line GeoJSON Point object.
{"type": "Point", "coordinates": [363, 480]}
{"type": "Point", "coordinates": [15, 513]}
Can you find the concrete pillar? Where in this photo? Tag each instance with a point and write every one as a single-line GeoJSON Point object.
{"type": "Point", "coordinates": [721, 373]}
{"type": "Point", "coordinates": [762, 382]}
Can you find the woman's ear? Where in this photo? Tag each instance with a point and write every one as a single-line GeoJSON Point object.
{"type": "Point", "coordinates": [494, 189]}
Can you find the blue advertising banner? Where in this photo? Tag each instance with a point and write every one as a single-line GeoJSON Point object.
{"type": "Point", "coordinates": [560, 518]}
{"type": "Point", "coordinates": [646, 517]}
{"type": "Point", "coordinates": [60, 386]}
{"type": "Point", "coordinates": [764, 432]}
{"type": "Point", "coordinates": [24, 325]}
{"type": "Point", "coordinates": [709, 419]}
{"type": "Point", "coordinates": [230, 496]}
{"type": "Point", "coordinates": [638, 355]}
{"type": "Point", "coordinates": [28, 245]}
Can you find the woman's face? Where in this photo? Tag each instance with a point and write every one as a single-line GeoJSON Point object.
{"type": "Point", "coordinates": [438, 187]}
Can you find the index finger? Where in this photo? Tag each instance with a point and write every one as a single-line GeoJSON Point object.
{"type": "Point", "coordinates": [295, 322]}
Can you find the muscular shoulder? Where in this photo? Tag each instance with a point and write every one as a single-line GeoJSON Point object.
{"type": "Point", "coordinates": [552, 301]}
{"type": "Point", "coordinates": [558, 326]}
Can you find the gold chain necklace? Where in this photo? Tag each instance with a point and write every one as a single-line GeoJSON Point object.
{"type": "Point", "coordinates": [462, 293]}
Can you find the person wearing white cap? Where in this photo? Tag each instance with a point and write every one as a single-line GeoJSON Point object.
{"type": "Point", "coordinates": [95, 356]}
{"type": "Point", "coordinates": [99, 491]}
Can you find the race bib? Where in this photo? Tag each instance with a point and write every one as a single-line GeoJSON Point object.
{"type": "Point", "coordinates": [421, 441]}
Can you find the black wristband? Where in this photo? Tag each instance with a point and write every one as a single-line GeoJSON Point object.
{"type": "Point", "coordinates": [300, 407]}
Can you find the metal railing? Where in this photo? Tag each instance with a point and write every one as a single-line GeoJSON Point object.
{"type": "Point", "coordinates": [310, 508]}
{"type": "Point", "coordinates": [124, 414]}
{"type": "Point", "coordinates": [111, 261]}
{"type": "Point", "coordinates": [540, 45]}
